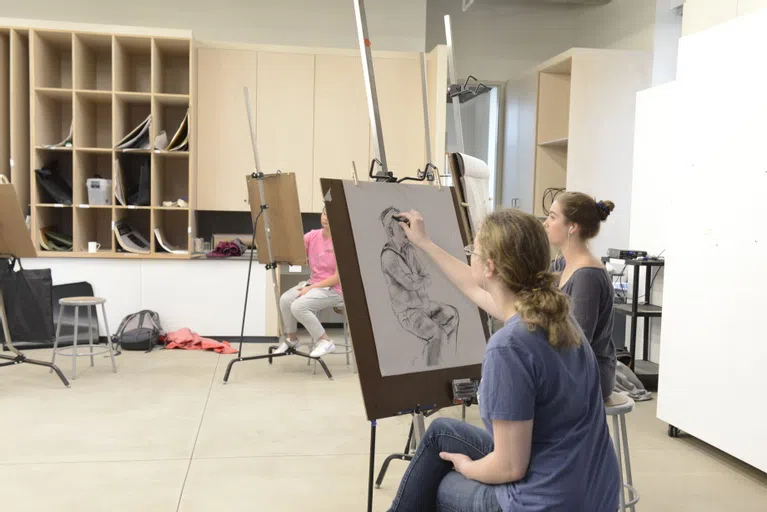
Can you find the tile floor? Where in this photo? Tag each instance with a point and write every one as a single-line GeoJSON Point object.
{"type": "Point", "coordinates": [165, 434]}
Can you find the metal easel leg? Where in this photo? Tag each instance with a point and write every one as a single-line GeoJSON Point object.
{"type": "Point", "coordinates": [19, 357]}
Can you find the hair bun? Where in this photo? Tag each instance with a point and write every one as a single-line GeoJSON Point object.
{"type": "Point", "coordinates": [605, 208]}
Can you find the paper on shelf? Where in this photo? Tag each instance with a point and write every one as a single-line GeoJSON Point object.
{"type": "Point", "coordinates": [66, 143]}
{"type": "Point", "coordinates": [180, 140]}
{"type": "Point", "coordinates": [138, 138]}
{"type": "Point", "coordinates": [118, 184]}
{"type": "Point", "coordinates": [165, 245]}
{"type": "Point", "coordinates": [161, 141]}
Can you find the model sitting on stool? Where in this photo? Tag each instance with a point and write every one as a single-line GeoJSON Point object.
{"type": "Point", "coordinates": [546, 445]}
{"type": "Point", "coordinates": [574, 220]}
{"type": "Point", "coordinates": [323, 290]}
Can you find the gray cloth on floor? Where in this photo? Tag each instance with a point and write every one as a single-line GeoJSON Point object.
{"type": "Point", "coordinates": [628, 383]}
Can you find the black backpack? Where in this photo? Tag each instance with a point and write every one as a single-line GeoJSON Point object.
{"type": "Point", "coordinates": [139, 331]}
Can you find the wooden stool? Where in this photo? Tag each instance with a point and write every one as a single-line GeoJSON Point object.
{"type": "Point", "coordinates": [618, 406]}
{"type": "Point", "coordinates": [77, 303]}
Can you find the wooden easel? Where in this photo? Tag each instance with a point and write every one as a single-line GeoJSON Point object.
{"type": "Point", "coordinates": [15, 243]}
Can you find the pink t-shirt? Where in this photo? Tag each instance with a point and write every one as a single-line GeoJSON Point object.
{"type": "Point", "coordinates": [322, 258]}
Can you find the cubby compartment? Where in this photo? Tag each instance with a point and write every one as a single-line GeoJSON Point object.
{"type": "Point", "coordinates": [174, 231]}
{"type": "Point", "coordinates": [93, 120]}
{"type": "Point", "coordinates": [93, 62]}
{"type": "Point", "coordinates": [53, 59]}
{"type": "Point", "coordinates": [130, 111]}
{"type": "Point", "coordinates": [139, 221]}
{"type": "Point", "coordinates": [53, 118]}
{"type": "Point", "coordinates": [93, 225]}
{"type": "Point", "coordinates": [171, 179]}
{"type": "Point", "coordinates": [58, 186]}
{"type": "Point", "coordinates": [133, 177]}
{"type": "Point", "coordinates": [54, 228]}
{"type": "Point", "coordinates": [170, 66]}
{"type": "Point", "coordinates": [90, 164]}
{"type": "Point", "coordinates": [133, 64]}
{"type": "Point", "coordinates": [169, 113]}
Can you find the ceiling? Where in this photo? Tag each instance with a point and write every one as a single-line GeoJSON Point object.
{"type": "Point", "coordinates": [468, 3]}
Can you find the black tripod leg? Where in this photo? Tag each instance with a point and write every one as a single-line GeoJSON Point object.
{"type": "Point", "coordinates": [325, 367]}
{"type": "Point", "coordinates": [229, 369]}
{"type": "Point", "coordinates": [51, 366]}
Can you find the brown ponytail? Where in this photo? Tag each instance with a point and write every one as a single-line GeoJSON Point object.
{"type": "Point", "coordinates": [517, 243]}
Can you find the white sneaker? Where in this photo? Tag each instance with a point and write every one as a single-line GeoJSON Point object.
{"type": "Point", "coordinates": [284, 345]}
{"type": "Point", "coordinates": [322, 348]}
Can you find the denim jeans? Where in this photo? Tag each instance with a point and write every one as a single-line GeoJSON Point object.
{"type": "Point", "coordinates": [431, 484]}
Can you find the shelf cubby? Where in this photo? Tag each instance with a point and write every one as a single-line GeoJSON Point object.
{"type": "Point", "coordinates": [89, 164]}
{"type": "Point", "coordinates": [168, 113]}
{"type": "Point", "coordinates": [131, 165]}
{"type": "Point", "coordinates": [138, 218]}
{"type": "Point", "coordinates": [93, 62]}
{"type": "Point", "coordinates": [174, 226]}
{"type": "Point", "coordinates": [53, 116]}
{"type": "Point", "coordinates": [170, 178]}
{"type": "Point", "coordinates": [129, 111]}
{"type": "Point", "coordinates": [170, 66]}
{"type": "Point", "coordinates": [48, 158]}
{"type": "Point", "coordinates": [93, 225]}
{"type": "Point", "coordinates": [93, 121]}
{"type": "Point", "coordinates": [54, 218]}
{"type": "Point", "coordinates": [53, 59]}
{"type": "Point", "coordinates": [132, 64]}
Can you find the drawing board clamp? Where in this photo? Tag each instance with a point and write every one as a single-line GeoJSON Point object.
{"type": "Point", "coordinates": [413, 331]}
{"type": "Point", "coordinates": [281, 198]}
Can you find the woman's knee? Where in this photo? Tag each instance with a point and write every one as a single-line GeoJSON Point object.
{"type": "Point", "coordinates": [441, 426]}
{"type": "Point", "coordinates": [300, 308]}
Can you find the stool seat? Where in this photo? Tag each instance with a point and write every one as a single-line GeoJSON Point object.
{"type": "Point", "coordinates": [618, 404]}
{"type": "Point", "coordinates": [81, 301]}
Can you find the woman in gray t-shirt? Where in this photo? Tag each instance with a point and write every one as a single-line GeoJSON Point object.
{"type": "Point", "coordinates": [573, 220]}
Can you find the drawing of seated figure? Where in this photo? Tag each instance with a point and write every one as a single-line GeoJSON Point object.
{"type": "Point", "coordinates": [433, 322]}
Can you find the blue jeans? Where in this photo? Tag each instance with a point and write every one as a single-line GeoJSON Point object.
{"type": "Point", "coordinates": [431, 484]}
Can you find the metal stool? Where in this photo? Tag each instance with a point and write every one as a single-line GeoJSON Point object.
{"type": "Point", "coordinates": [347, 346]}
{"type": "Point", "coordinates": [618, 406]}
{"type": "Point", "coordinates": [77, 303]}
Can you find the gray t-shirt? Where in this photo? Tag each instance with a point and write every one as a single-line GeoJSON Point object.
{"type": "Point", "coordinates": [591, 300]}
{"type": "Point", "coordinates": [573, 466]}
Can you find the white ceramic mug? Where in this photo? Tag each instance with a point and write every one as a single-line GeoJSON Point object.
{"type": "Point", "coordinates": [94, 246]}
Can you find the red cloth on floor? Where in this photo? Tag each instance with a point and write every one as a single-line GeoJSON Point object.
{"type": "Point", "coordinates": [187, 340]}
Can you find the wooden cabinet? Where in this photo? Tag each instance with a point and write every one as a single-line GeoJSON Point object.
{"type": "Point", "coordinates": [285, 119]}
{"type": "Point", "coordinates": [398, 81]}
{"type": "Point", "coordinates": [225, 156]}
{"type": "Point", "coordinates": [311, 117]}
{"type": "Point", "coordinates": [341, 126]}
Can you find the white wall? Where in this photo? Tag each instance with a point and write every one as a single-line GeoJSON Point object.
{"type": "Point", "coordinates": [394, 24]}
{"type": "Point", "coordinates": [619, 25]}
{"type": "Point", "coordinates": [496, 42]}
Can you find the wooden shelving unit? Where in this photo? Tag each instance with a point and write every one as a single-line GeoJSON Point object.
{"type": "Point", "coordinates": [103, 85]}
{"type": "Point", "coordinates": [552, 133]}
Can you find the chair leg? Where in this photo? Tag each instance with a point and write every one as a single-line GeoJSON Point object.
{"type": "Point", "coordinates": [346, 339]}
{"type": "Point", "coordinates": [56, 341]}
{"type": "Point", "coordinates": [617, 442]}
{"type": "Point", "coordinates": [629, 479]}
{"type": "Point", "coordinates": [90, 332]}
{"type": "Point", "coordinates": [109, 338]}
{"type": "Point", "coordinates": [74, 344]}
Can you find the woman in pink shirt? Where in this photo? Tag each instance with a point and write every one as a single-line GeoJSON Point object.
{"type": "Point", "coordinates": [322, 291]}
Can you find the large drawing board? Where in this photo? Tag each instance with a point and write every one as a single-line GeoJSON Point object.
{"type": "Point", "coordinates": [14, 236]}
{"type": "Point", "coordinates": [284, 212]}
{"type": "Point", "coordinates": [384, 344]}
